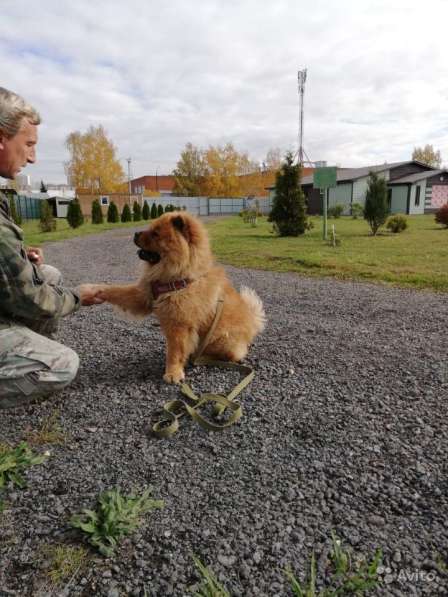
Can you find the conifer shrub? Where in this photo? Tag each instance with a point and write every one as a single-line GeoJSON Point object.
{"type": "Point", "coordinates": [153, 211]}
{"type": "Point", "coordinates": [97, 213]}
{"type": "Point", "coordinates": [288, 212]}
{"type": "Point", "coordinates": [137, 212]}
{"type": "Point", "coordinates": [47, 221]}
{"type": "Point", "coordinates": [15, 213]}
{"type": "Point", "coordinates": [376, 209]}
{"type": "Point", "coordinates": [126, 215]}
{"type": "Point", "coordinates": [145, 211]}
{"type": "Point", "coordinates": [159, 210]}
{"type": "Point", "coordinates": [112, 213]}
{"type": "Point", "coordinates": [75, 218]}
{"type": "Point", "coordinates": [441, 215]}
{"type": "Point", "coordinates": [397, 223]}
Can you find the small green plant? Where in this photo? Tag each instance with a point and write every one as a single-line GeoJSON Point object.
{"type": "Point", "coordinates": [210, 587]}
{"type": "Point", "coordinates": [397, 223]}
{"type": "Point", "coordinates": [145, 211]}
{"type": "Point", "coordinates": [153, 211]}
{"type": "Point", "coordinates": [348, 577]}
{"type": "Point", "coordinates": [357, 210]}
{"type": "Point", "coordinates": [116, 516]}
{"type": "Point", "coordinates": [14, 461]}
{"type": "Point", "coordinates": [336, 211]}
{"type": "Point", "coordinates": [137, 212]}
{"type": "Point", "coordinates": [49, 433]}
{"type": "Point", "coordinates": [75, 218]}
{"type": "Point", "coordinates": [65, 562]}
{"type": "Point", "coordinates": [126, 215]}
{"type": "Point", "coordinates": [47, 221]}
{"type": "Point", "coordinates": [97, 213]}
{"type": "Point", "coordinates": [441, 215]}
{"type": "Point", "coordinates": [159, 210]}
{"type": "Point", "coordinates": [112, 213]}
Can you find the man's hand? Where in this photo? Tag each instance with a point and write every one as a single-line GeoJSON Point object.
{"type": "Point", "coordinates": [90, 294]}
{"type": "Point", "coordinates": [35, 255]}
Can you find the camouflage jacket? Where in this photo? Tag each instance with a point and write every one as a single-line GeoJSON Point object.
{"type": "Point", "coordinates": [24, 296]}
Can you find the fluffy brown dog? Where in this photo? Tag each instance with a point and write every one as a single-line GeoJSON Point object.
{"type": "Point", "coordinates": [182, 285]}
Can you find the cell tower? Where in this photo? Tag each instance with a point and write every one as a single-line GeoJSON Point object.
{"type": "Point", "coordinates": [301, 77]}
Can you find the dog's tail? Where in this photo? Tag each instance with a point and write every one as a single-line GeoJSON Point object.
{"type": "Point", "coordinates": [253, 301]}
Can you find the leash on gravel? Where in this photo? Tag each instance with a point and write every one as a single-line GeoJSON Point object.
{"type": "Point", "coordinates": [175, 409]}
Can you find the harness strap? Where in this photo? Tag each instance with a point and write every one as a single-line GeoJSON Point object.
{"type": "Point", "coordinates": [175, 409]}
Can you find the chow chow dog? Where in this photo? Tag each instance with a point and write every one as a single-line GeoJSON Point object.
{"type": "Point", "coordinates": [182, 286]}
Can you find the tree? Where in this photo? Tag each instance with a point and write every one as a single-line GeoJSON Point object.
{"type": "Point", "coordinates": [224, 169]}
{"type": "Point", "coordinates": [14, 212]}
{"type": "Point", "coordinates": [427, 155]}
{"type": "Point", "coordinates": [43, 188]}
{"type": "Point", "coordinates": [441, 215]}
{"type": "Point", "coordinates": [74, 214]}
{"type": "Point", "coordinates": [288, 209]}
{"type": "Point", "coordinates": [126, 215]}
{"type": "Point", "coordinates": [145, 211]}
{"type": "Point", "coordinates": [137, 212]}
{"type": "Point", "coordinates": [47, 222]}
{"type": "Point", "coordinates": [153, 211]}
{"type": "Point", "coordinates": [93, 165]}
{"type": "Point", "coordinates": [376, 208]}
{"type": "Point", "coordinates": [159, 210]}
{"type": "Point", "coordinates": [97, 213]}
{"type": "Point", "coordinates": [112, 213]}
{"type": "Point", "coordinates": [190, 172]}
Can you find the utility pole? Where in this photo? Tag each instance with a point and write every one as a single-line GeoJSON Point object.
{"type": "Point", "coordinates": [301, 78]}
{"type": "Point", "coordinates": [129, 176]}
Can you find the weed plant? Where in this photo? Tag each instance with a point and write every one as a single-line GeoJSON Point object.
{"type": "Point", "coordinates": [116, 516]}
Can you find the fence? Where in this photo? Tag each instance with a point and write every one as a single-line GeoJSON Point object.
{"type": "Point", "coordinates": [28, 208]}
{"type": "Point", "coordinates": [209, 206]}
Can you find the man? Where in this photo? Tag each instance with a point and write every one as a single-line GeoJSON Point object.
{"type": "Point", "coordinates": [32, 298]}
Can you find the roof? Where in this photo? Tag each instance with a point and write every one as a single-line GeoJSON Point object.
{"type": "Point", "coordinates": [410, 178]}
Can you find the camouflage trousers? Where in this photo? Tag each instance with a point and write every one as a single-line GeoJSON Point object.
{"type": "Point", "coordinates": [32, 364]}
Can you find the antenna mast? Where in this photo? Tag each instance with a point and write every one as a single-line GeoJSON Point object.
{"type": "Point", "coordinates": [301, 77]}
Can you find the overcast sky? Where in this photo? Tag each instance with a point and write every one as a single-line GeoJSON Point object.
{"type": "Point", "coordinates": [160, 73]}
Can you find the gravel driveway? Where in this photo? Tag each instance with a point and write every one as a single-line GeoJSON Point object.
{"type": "Point", "coordinates": [344, 428]}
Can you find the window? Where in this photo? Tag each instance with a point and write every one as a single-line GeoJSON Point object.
{"type": "Point", "coordinates": [104, 200]}
{"type": "Point", "coordinates": [417, 196]}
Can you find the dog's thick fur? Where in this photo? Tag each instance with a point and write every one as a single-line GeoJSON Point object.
{"type": "Point", "coordinates": [178, 246]}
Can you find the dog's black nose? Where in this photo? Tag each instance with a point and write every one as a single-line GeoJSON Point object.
{"type": "Point", "coordinates": [136, 237]}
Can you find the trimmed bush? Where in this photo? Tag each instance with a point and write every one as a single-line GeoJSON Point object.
{"type": "Point", "coordinates": [137, 212]}
{"type": "Point", "coordinates": [159, 210]}
{"type": "Point", "coordinates": [145, 211]}
{"type": "Point", "coordinates": [75, 218]}
{"type": "Point", "coordinates": [397, 223]}
{"type": "Point", "coordinates": [47, 221]}
{"type": "Point", "coordinates": [376, 208]}
{"type": "Point", "coordinates": [126, 215]}
{"type": "Point", "coordinates": [441, 216]}
{"type": "Point", "coordinates": [112, 213]}
{"type": "Point", "coordinates": [357, 210]}
{"type": "Point", "coordinates": [335, 211]}
{"type": "Point", "coordinates": [153, 211]}
{"type": "Point", "coordinates": [97, 214]}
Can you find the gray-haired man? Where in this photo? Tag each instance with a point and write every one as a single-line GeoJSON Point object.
{"type": "Point", "coordinates": [32, 298]}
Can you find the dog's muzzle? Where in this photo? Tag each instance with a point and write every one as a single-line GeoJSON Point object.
{"type": "Point", "coordinates": [150, 256]}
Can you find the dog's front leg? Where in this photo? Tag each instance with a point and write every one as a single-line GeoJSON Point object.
{"type": "Point", "coordinates": [180, 345]}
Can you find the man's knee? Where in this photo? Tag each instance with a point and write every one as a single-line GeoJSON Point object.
{"type": "Point", "coordinates": [32, 367]}
{"type": "Point", "coordinates": [51, 274]}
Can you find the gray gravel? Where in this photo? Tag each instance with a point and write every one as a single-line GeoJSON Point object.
{"type": "Point", "coordinates": [344, 428]}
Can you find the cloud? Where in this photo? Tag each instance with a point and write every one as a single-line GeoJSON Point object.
{"type": "Point", "coordinates": [160, 74]}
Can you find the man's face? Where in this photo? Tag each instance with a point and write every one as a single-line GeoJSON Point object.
{"type": "Point", "coordinates": [19, 150]}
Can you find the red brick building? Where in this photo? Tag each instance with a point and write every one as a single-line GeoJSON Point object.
{"type": "Point", "coordinates": [163, 184]}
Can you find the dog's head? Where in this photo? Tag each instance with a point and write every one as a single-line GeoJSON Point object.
{"type": "Point", "coordinates": [175, 244]}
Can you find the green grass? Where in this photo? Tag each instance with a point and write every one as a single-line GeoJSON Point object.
{"type": "Point", "coordinates": [416, 258]}
{"type": "Point", "coordinates": [34, 237]}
